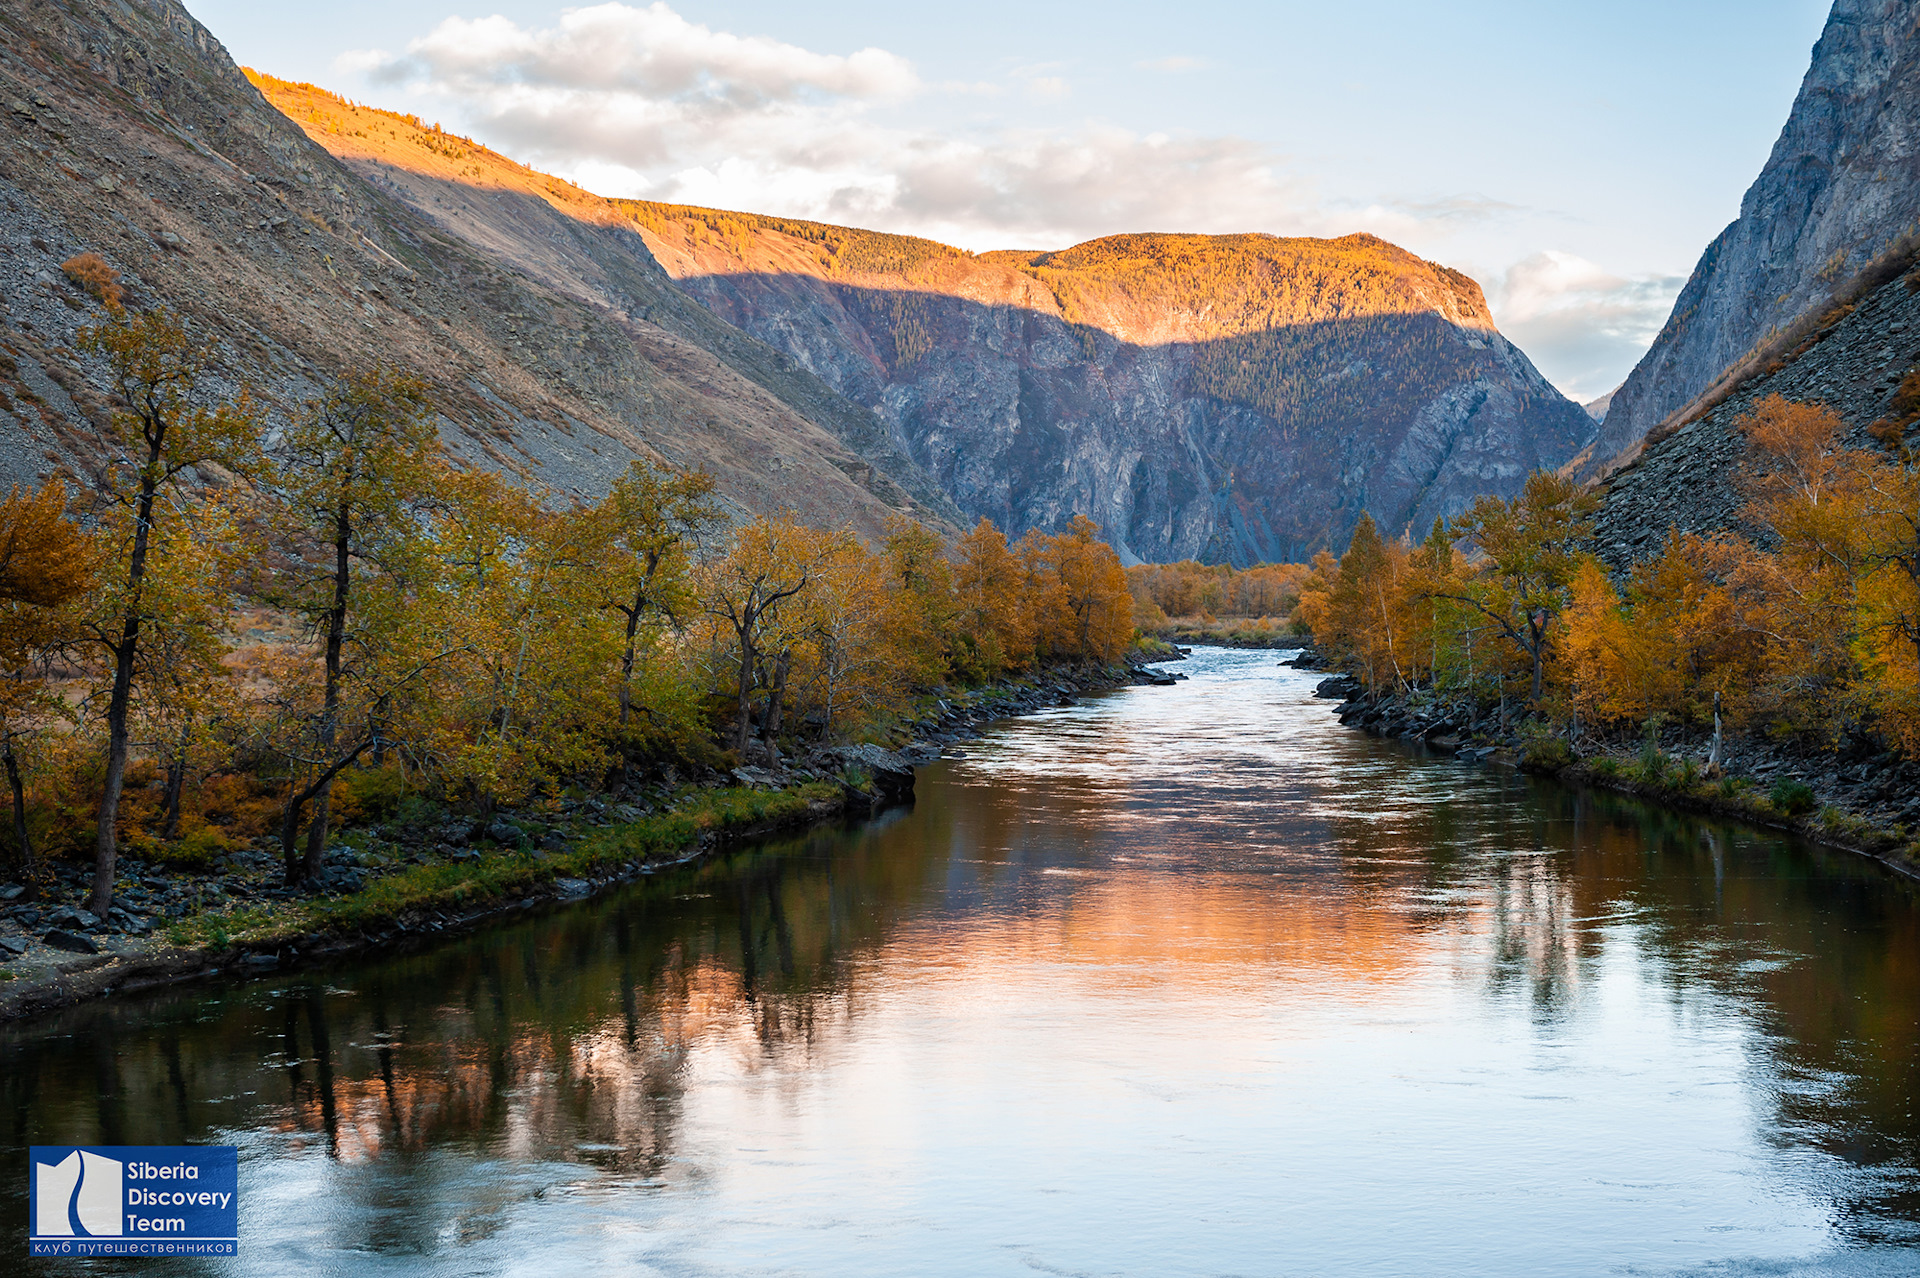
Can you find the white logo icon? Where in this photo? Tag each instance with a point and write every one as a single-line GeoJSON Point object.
{"type": "Point", "coordinates": [82, 1186]}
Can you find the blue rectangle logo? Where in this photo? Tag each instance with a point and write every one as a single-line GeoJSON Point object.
{"type": "Point", "coordinates": [134, 1200]}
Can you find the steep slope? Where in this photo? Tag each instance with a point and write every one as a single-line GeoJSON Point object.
{"type": "Point", "coordinates": [1839, 195]}
{"type": "Point", "coordinates": [130, 133]}
{"type": "Point", "coordinates": [1691, 479]}
{"type": "Point", "coordinates": [1228, 398]}
{"type": "Point", "coordinates": [1238, 397]}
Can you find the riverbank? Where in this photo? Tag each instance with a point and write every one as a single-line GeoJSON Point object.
{"type": "Point", "coordinates": [390, 886]}
{"type": "Point", "coordinates": [1867, 804]}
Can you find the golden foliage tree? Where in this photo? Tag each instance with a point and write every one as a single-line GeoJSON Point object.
{"type": "Point", "coordinates": [166, 432]}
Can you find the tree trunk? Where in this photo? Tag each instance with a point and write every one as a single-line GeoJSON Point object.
{"type": "Point", "coordinates": [1713, 756]}
{"type": "Point", "coordinates": [297, 801]}
{"type": "Point", "coordinates": [743, 707]}
{"type": "Point", "coordinates": [19, 792]}
{"type": "Point", "coordinates": [329, 729]}
{"type": "Point", "coordinates": [106, 840]}
{"type": "Point", "coordinates": [776, 697]}
{"type": "Point", "coordinates": [176, 783]}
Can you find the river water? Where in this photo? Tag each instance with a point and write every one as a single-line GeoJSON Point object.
{"type": "Point", "coordinates": [1181, 981]}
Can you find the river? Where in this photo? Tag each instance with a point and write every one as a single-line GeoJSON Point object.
{"type": "Point", "coordinates": [1180, 981]}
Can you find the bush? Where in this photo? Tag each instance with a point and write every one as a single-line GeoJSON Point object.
{"type": "Point", "coordinates": [1734, 787]}
{"type": "Point", "coordinates": [90, 272]}
{"type": "Point", "coordinates": [367, 794]}
{"type": "Point", "coordinates": [1794, 798]}
{"type": "Point", "coordinates": [195, 850]}
{"type": "Point", "coordinates": [1545, 754]}
{"type": "Point", "coordinates": [1606, 767]}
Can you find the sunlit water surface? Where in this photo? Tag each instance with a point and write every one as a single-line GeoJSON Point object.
{"type": "Point", "coordinates": [1182, 981]}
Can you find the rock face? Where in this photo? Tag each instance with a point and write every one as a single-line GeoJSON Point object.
{"type": "Point", "coordinates": [1224, 398]}
{"type": "Point", "coordinates": [125, 130]}
{"type": "Point", "coordinates": [1840, 191]}
{"type": "Point", "coordinates": [1691, 480]}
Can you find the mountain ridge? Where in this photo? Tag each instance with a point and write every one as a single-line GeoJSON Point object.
{"type": "Point", "coordinates": [1836, 198]}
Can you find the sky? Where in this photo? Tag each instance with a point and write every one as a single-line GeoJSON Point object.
{"type": "Point", "coordinates": [1573, 157]}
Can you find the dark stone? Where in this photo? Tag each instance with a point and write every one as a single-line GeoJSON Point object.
{"type": "Point", "coordinates": [13, 946]}
{"type": "Point", "coordinates": [72, 941]}
{"type": "Point", "coordinates": [68, 917]}
{"type": "Point", "coordinates": [12, 892]}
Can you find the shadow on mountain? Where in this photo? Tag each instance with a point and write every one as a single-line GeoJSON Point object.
{"type": "Point", "coordinates": [1259, 446]}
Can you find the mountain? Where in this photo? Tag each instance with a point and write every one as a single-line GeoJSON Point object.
{"type": "Point", "coordinates": [1230, 398]}
{"type": "Point", "coordinates": [1227, 398]}
{"type": "Point", "coordinates": [129, 132]}
{"type": "Point", "coordinates": [1597, 408]}
{"type": "Point", "coordinates": [1834, 212]}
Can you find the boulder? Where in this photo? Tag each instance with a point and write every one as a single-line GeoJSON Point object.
{"type": "Point", "coordinates": [77, 920]}
{"type": "Point", "coordinates": [74, 942]}
{"type": "Point", "coordinates": [892, 773]}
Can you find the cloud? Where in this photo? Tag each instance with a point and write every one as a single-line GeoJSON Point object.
{"type": "Point", "coordinates": [1584, 326]}
{"type": "Point", "coordinates": [642, 102]}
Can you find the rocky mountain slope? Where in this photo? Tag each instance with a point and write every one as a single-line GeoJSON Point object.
{"type": "Point", "coordinates": [129, 132]}
{"type": "Point", "coordinates": [1226, 398]}
{"type": "Point", "coordinates": [1691, 479]}
{"type": "Point", "coordinates": [1839, 195]}
{"type": "Point", "coordinates": [1231, 398]}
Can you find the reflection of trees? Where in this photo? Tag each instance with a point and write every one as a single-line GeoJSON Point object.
{"type": "Point", "coordinates": [535, 1039]}
{"type": "Point", "coordinates": [1826, 943]}
{"type": "Point", "coordinates": [569, 1036]}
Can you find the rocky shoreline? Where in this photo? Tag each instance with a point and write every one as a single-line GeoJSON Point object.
{"type": "Point", "coordinates": [169, 927]}
{"type": "Point", "coordinates": [1861, 802]}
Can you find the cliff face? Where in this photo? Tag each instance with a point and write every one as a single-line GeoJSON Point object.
{"type": "Point", "coordinates": [1840, 191]}
{"type": "Point", "coordinates": [126, 130]}
{"type": "Point", "coordinates": [1693, 479]}
{"type": "Point", "coordinates": [1227, 398]}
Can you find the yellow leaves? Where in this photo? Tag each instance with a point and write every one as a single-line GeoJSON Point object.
{"type": "Point", "coordinates": [45, 560]}
{"type": "Point", "coordinates": [1078, 591]}
{"type": "Point", "coordinates": [91, 272]}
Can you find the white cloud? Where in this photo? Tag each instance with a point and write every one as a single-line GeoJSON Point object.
{"type": "Point", "coordinates": [641, 101]}
{"type": "Point", "coordinates": [1583, 325]}
{"type": "Point", "coordinates": [632, 101]}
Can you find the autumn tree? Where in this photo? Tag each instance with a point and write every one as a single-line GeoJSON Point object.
{"type": "Point", "coordinates": [357, 463]}
{"type": "Point", "coordinates": [921, 578]}
{"type": "Point", "coordinates": [993, 617]}
{"type": "Point", "coordinates": [165, 432]}
{"type": "Point", "coordinates": [1086, 610]}
{"type": "Point", "coordinates": [772, 560]}
{"type": "Point", "coordinates": [652, 520]}
{"type": "Point", "coordinates": [528, 701]}
{"type": "Point", "coordinates": [1533, 546]}
{"type": "Point", "coordinates": [46, 564]}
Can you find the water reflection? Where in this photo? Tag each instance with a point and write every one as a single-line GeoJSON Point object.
{"type": "Point", "coordinates": [1186, 981]}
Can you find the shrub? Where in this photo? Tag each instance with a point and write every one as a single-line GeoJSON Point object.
{"type": "Point", "coordinates": [1734, 787]}
{"type": "Point", "coordinates": [1545, 754]}
{"type": "Point", "coordinates": [368, 794]}
{"type": "Point", "coordinates": [197, 849]}
{"type": "Point", "coordinates": [90, 272]}
{"type": "Point", "coordinates": [1606, 767]}
{"type": "Point", "coordinates": [1791, 797]}
{"type": "Point", "coordinates": [1689, 774]}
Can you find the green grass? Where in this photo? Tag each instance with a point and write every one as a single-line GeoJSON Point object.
{"type": "Point", "coordinates": [462, 884]}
